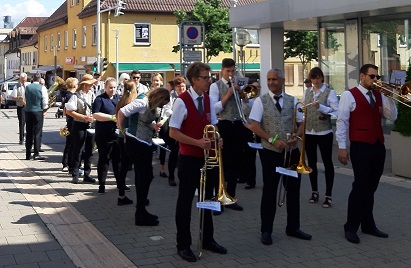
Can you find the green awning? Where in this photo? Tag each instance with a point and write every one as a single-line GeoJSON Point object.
{"type": "Point", "coordinates": [158, 67]}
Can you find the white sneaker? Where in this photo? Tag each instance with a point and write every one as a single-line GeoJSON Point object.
{"type": "Point", "coordinates": [64, 169]}
{"type": "Point", "coordinates": [80, 172]}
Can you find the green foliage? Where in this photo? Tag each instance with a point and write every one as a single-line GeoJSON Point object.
{"type": "Point", "coordinates": [403, 122]}
{"type": "Point", "coordinates": [301, 44]}
{"type": "Point", "coordinates": [218, 34]}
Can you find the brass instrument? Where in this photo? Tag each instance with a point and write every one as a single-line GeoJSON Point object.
{"type": "Point", "coordinates": [400, 93]}
{"type": "Point", "coordinates": [213, 158]}
{"type": "Point", "coordinates": [249, 91]}
{"type": "Point", "coordinates": [301, 167]}
{"type": "Point", "coordinates": [238, 103]}
{"type": "Point", "coordinates": [64, 131]}
{"type": "Point", "coordinates": [59, 84]}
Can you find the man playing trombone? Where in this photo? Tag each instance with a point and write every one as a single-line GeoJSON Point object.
{"type": "Point", "coordinates": [192, 111]}
{"type": "Point", "coordinates": [272, 118]}
{"type": "Point", "coordinates": [227, 104]}
{"type": "Point", "coordinates": [359, 118]}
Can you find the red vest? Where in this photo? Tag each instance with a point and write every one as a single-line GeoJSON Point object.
{"type": "Point", "coordinates": [193, 125]}
{"type": "Point", "coordinates": [365, 121]}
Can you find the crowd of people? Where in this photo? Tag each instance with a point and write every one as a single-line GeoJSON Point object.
{"type": "Point", "coordinates": [123, 118]}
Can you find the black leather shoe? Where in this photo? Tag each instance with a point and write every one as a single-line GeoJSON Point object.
{"type": "Point", "coordinates": [149, 215]}
{"type": "Point", "coordinates": [299, 234]}
{"type": "Point", "coordinates": [235, 206]}
{"type": "Point", "coordinates": [146, 221]}
{"type": "Point", "coordinates": [375, 232]}
{"type": "Point", "coordinates": [88, 179]}
{"type": "Point", "coordinates": [163, 175]}
{"type": "Point", "coordinates": [215, 247]}
{"type": "Point", "coordinates": [187, 255]}
{"type": "Point", "coordinates": [266, 238]}
{"type": "Point", "coordinates": [248, 187]}
{"type": "Point", "coordinates": [352, 237]}
{"type": "Point", "coordinates": [28, 157]}
{"type": "Point", "coordinates": [21, 142]}
{"type": "Point", "coordinates": [38, 157]}
{"type": "Point", "coordinates": [172, 183]}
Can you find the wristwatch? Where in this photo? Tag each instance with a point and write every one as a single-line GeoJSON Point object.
{"type": "Point", "coordinates": [270, 140]}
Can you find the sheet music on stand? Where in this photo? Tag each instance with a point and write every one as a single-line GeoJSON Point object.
{"type": "Point", "coordinates": [157, 141]}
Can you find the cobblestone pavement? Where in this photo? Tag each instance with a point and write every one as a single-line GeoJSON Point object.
{"type": "Point", "coordinates": [48, 222]}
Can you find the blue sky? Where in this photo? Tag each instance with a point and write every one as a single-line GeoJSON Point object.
{"type": "Point", "coordinates": [19, 9]}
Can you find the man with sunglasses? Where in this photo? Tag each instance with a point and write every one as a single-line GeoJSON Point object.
{"type": "Point", "coordinates": [136, 77]}
{"type": "Point", "coordinates": [359, 118]}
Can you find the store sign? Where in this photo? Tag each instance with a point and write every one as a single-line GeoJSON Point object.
{"type": "Point", "coordinates": [70, 60]}
{"type": "Point", "coordinates": [142, 33]}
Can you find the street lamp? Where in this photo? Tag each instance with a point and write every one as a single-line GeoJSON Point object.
{"type": "Point", "coordinates": [242, 39]}
{"type": "Point", "coordinates": [55, 62]}
{"type": "Point", "coordinates": [234, 4]}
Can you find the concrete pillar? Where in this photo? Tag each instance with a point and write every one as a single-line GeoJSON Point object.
{"type": "Point", "coordinates": [352, 52]}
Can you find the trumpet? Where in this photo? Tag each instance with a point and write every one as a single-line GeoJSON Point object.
{"type": "Point", "coordinates": [213, 158]}
{"type": "Point", "coordinates": [64, 131]}
{"type": "Point", "coordinates": [400, 93]}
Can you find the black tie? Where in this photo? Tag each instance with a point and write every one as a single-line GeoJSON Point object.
{"type": "Point", "coordinates": [372, 101]}
{"type": "Point", "coordinates": [200, 105]}
{"type": "Point", "coordinates": [277, 102]}
{"type": "Point", "coordinates": [229, 84]}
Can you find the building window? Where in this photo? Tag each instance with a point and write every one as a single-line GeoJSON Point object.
{"type": "Point", "coordinates": [74, 38]}
{"type": "Point", "coordinates": [71, 3]}
{"type": "Point", "coordinates": [254, 39]}
{"type": "Point", "coordinates": [289, 74]}
{"type": "Point", "coordinates": [45, 43]}
{"type": "Point", "coordinates": [84, 37]}
{"type": "Point", "coordinates": [34, 57]}
{"type": "Point", "coordinates": [77, 2]}
{"type": "Point", "coordinates": [65, 39]}
{"type": "Point", "coordinates": [51, 42]}
{"type": "Point", "coordinates": [142, 34]}
{"type": "Point", "coordinates": [94, 34]}
{"type": "Point", "coordinates": [58, 41]}
{"type": "Point", "coordinates": [300, 74]}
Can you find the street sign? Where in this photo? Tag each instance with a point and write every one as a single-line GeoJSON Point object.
{"type": "Point", "coordinates": [192, 35]}
{"type": "Point", "coordinates": [189, 56]}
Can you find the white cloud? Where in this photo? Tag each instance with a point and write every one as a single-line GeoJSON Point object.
{"type": "Point", "coordinates": [18, 10]}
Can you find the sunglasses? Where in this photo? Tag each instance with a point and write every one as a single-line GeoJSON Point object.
{"type": "Point", "coordinates": [372, 76]}
{"type": "Point", "coordinates": [136, 77]}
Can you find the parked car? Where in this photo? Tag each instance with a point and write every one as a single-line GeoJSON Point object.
{"type": "Point", "coordinates": [6, 98]}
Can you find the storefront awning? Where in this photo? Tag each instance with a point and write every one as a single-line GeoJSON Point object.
{"type": "Point", "coordinates": [163, 67]}
{"type": "Point", "coordinates": [44, 69]}
{"type": "Point", "coordinates": [9, 79]}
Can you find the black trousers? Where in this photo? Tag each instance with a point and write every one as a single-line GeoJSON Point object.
{"type": "Point", "coordinates": [270, 160]}
{"type": "Point", "coordinates": [247, 163]}
{"type": "Point", "coordinates": [141, 155]}
{"type": "Point", "coordinates": [108, 149]}
{"type": "Point", "coordinates": [325, 143]}
{"type": "Point", "coordinates": [234, 143]}
{"type": "Point", "coordinates": [67, 156]}
{"type": "Point", "coordinates": [125, 163]}
{"type": "Point", "coordinates": [189, 176]}
{"type": "Point", "coordinates": [21, 115]}
{"type": "Point", "coordinates": [172, 144]}
{"type": "Point", "coordinates": [368, 165]}
{"type": "Point", "coordinates": [81, 138]}
{"type": "Point", "coordinates": [34, 124]}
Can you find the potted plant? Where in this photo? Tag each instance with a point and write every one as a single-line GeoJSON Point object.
{"type": "Point", "coordinates": [401, 138]}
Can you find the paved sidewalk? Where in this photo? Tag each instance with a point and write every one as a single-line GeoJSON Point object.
{"type": "Point", "coordinates": [48, 222]}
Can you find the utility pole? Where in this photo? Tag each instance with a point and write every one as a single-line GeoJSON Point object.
{"type": "Point", "coordinates": [98, 36]}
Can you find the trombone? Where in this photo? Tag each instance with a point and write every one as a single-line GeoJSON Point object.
{"type": "Point", "coordinates": [238, 103]}
{"type": "Point", "coordinates": [400, 93]}
{"type": "Point", "coordinates": [213, 158]}
{"type": "Point", "coordinates": [301, 167]}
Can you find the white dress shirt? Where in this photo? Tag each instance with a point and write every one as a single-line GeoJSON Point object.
{"type": "Point", "coordinates": [215, 96]}
{"type": "Point", "coordinates": [180, 111]}
{"type": "Point", "coordinates": [347, 105]}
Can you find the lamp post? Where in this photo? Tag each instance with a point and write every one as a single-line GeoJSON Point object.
{"type": "Point", "coordinates": [234, 4]}
{"type": "Point", "coordinates": [242, 39]}
{"type": "Point", "coordinates": [55, 62]}
{"type": "Point", "coordinates": [98, 36]}
{"type": "Point", "coordinates": [117, 65]}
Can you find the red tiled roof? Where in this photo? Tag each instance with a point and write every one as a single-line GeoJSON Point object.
{"type": "Point", "coordinates": [150, 6]}
{"type": "Point", "coordinates": [59, 17]}
{"type": "Point", "coordinates": [30, 22]}
{"type": "Point", "coordinates": [32, 41]}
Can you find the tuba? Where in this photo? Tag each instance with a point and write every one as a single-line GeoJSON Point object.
{"type": "Point", "coordinates": [59, 84]}
{"type": "Point", "coordinates": [213, 158]}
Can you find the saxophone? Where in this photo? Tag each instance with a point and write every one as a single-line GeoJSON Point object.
{"type": "Point", "coordinates": [59, 84]}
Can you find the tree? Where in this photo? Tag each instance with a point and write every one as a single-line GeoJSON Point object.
{"type": "Point", "coordinates": [218, 34]}
{"type": "Point", "coordinates": [403, 122]}
{"type": "Point", "coordinates": [301, 44]}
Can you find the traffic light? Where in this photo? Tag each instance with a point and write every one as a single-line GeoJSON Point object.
{"type": "Point", "coordinates": [104, 64]}
{"type": "Point", "coordinates": [121, 6]}
{"type": "Point", "coordinates": [95, 66]}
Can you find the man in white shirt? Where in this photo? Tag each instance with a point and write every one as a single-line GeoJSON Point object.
{"type": "Point", "coordinates": [136, 77]}
{"type": "Point", "coordinates": [18, 95]}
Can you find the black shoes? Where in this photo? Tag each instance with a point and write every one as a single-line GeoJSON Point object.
{"type": "Point", "coordinates": [21, 142]}
{"type": "Point", "coordinates": [235, 206]}
{"type": "Point", "coordinates": [266, 238]}
{"type": "Point", "coordinates": [146, 221]}
{"type": "Point", "coordinates": [299, 234]}
{"type": "Point", "coordinates": [28, 157]}
{"type": "Point", "coordinates": [74, 180]}
{"type": "Point", "coordinates": [101, 189]}
{"type": "Point", "coordinates": [163, 175]}
{"type": "Point", "coordinates": [352, 237]}
{"type": "Point", "coordinates": [376, 232]}
{"type": "Point", "coordinates": [124, 201]}
{"type": "Point", "coordinates": [215, 247]}
{"type": "Point", "coordinates": [314, 198]}
{"type": "Point", "coordinates": [187, 255]}
{"type": "Point", "coordinates": [38, 157]}
{"type": "Point", "coordinates": [172, 182]}
{"type": "Point", "coordinates": [248, 187]}
{"type": "Point", "coordinates": [88, 179]}
{"type": "Point", "coordinates": [216, 213]}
